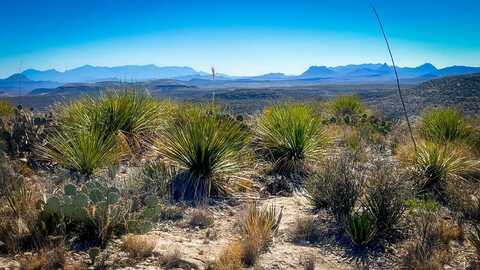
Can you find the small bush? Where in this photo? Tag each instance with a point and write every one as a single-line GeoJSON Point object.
{"type": "Point", "coordinates": [336, 187]}
{"type": "Point", "coordinates": [210, 149]}
{"type": "Point", "coordinates": [291, 136]}
{"type": "Point", "coordinates": [44, 259]}
{"type": "Point", "coordinates": [138, 246]}
{"type": "Point", "coordinates": [444, 125]}
{"type": "Point", "coordinates": [201, 219]}
{"type": "Point", "coordinates": [361, 228]}
{"type": "Point", "coordinates": [385, 196]}
{"type": "Point", "coordinates": [430, 249]}
{"type": "Point", "coordinates": [474, 238]}
{"type": "Point", "coordinates": [306, 230]}
{"type": "Point", "coordinates": [347, 108]}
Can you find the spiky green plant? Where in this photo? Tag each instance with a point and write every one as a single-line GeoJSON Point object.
{"type": "Point", "coordinates": [437, 163]}
{"type": "Point", "coordinates": [346, 106]}
{"type": "Point", "coordinates": [82, 151]}
{"type": "Point", "coordinates": [291, 136]}
{"type": "Point", "coordinates": [133, 114]}
{"type": "Point", "coordinates": [361, 228]}
{"type": "Point", "coordinates": [209, 148]}
{"type": "Point", "coordinates": [94, 132]}
{"type": "Point", "coordinates": [444, 125]}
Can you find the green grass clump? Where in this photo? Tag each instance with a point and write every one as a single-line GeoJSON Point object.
{"type": "Point", "coordinates": [291, 136]}
{"type": "Point", "coordinates": [444, 125]}
{"type": "Point", "coordinates": [209, 148]}
{"type": "Point", "coordinates": [346, 106]}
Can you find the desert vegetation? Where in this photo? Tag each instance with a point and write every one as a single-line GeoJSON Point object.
{"type": "Point", "coordinates": [125, 180]}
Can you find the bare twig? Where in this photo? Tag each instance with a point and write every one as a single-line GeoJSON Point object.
{"type": "Point", "coordinates": [396, 75]}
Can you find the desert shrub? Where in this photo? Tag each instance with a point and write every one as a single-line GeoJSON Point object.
{"type": "Point", "coordinates": [208, 148]}
{"type": "Point", "coordinates": [337, 186]}
{"type": "Point", "coordinates": [53, 258]}
{"type": "Point", "coordinates": [19, 228]}
{"type": "Point", "coordinates": [430, 248]}
{"type": "Point", "coordinates": [83, 151]}
{"type": "Point", "coordinates": [346, 108]}
{"type": "Point", "coordinates": [306, 230]}
{"type": "Point", "coordinates": [171, 212]}
{"type": "Point", "coordinates": [385, 196]}
{"type": "Point", "coordinates": [258, 228]}
{"type": "Point", "coordinates": [291, 136]}
{"type": "Point", "coordinates": [138, 246]}
{"type": "Point", "coordinates": [360, 226]}
{"type": "Point", "coordinates": [20, 131]}
{"type": "Point", "coordinates": [201, 218]}
{"type": "Point", "coordinates": [474, 238]}
{"type": "Point", "coordinates": [444, 125]}
{"type": "Point", "coordinates": [463, 197]}
{"type": "Point", "coordinates": [155, 178]}
{"type": "Point", "coordinates": [439, 163]}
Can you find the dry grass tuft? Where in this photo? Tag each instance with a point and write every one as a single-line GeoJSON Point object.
{"type": "Point", "coordinates": [44, 259]}
{"type": "Point", "coordinates": [138, 246]}
{"type": "Point", "coordinates": [201, 218]}
{"type": "Point", "coordinates": [230, 258]}
{"type": "Point", "coordinates": [309, 262]}
{"type": "Point", "coordinates": [431, 247]}
{"type": "Point", "coordinates": [306, 230]}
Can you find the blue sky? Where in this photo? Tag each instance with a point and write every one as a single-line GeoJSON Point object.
{"type": "Point", "coordinates": [237, 37]}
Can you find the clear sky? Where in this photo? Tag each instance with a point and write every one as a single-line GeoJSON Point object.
{"type": "Point", "coordinates": [241, 37]}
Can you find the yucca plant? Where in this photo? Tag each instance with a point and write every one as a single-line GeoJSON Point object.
{"type": "Point", "coordinates": [347, 107]}
{"type": "Point", "coordinates": [361, 228]}
{"type": "Point", "coordinates": [291, 136]}
{"type": "Point", "coordinates": [82, 151]}
{"type": "Point", "coordinates": [210, 150]}
{"type": "Point", "coordinates": [437, 163]}
{"type": "Point", "coordinates": [444, 125]}
{"type": "Point", "coordinates": [133, 114]}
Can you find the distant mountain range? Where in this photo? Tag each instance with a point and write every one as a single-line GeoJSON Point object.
{"type": "Point", "coordinates": [31, 79]}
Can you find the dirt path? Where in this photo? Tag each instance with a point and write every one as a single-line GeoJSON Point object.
{"type": "Point", "coordinates": [200, 246]}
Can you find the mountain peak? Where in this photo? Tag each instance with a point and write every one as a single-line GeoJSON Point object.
{"type": "Point", "coordinates": [18, 77]}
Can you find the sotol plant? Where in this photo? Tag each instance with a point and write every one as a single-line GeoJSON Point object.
{"type": "Point", "coordinates": [346, 107]}
{"type": "Point", "coordinates": [437, 163]}
{"type": "Point", "coordinates": [93, 133]}
{"type": "Point", "coordinates": [444, 125]}
{"type": "Point", "coordinates": [208, 148]}
{"type": "Point", "coordinates": [291, 136]}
